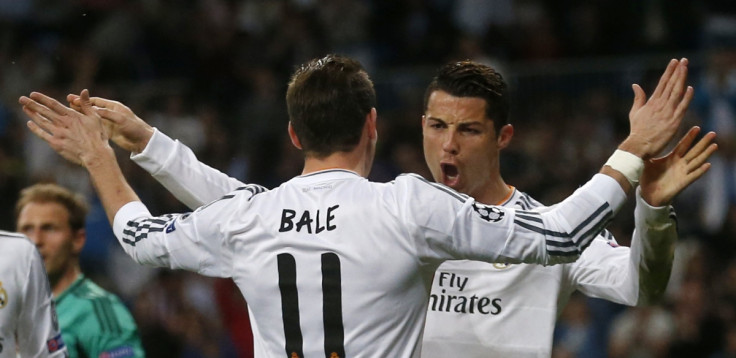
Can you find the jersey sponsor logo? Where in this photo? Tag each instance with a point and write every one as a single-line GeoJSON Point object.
{"type": "Point", "coordinates": [119, 352]}
{"type": "Point", "coordinates": [311, 221]}
{"type": "Point", "coordinates": [3, 296]}
{"type": "Point", "coordinates": [488, 213]}
{"type": "Point", "coordinates": [461, 302]}
{"type": "Point", "coordinates": [54, 344]}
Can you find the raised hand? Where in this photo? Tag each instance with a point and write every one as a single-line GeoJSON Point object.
{"type": "Point", "coordinates": [78, 136]}
{"type": "Point", "coordinates": [663, 178]}
{"type": "Point", "coordinates": [654, 122]}
{"type": "Point", "coordinates": [125, 128]}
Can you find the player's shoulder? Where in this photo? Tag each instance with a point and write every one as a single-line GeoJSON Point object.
{"type": "Point", "coordinates": [16, 241]}
{"type": "Point", "coordinates": [416, 183]}
{"type": "Point", "coordinates": [87, 290]}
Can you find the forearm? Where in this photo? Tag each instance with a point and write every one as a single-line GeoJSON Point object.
{"type": "Point", "coordinates": [177, 168]}
{"type": "Point", "coordinates": [653, 249]}
{"type": "Point", "coordinates": [566, 228]}
{"type": "Point", "coordinates": [107, 177]}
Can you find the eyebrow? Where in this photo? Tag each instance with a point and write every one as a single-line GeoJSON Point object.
{"type": "Point", "coordinates": [462, 123]}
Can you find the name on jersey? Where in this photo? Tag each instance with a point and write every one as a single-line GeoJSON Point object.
{"type": "Point", "coordinates": [313, 222]}
{"type": "Point", "coordinates": [460, 302]}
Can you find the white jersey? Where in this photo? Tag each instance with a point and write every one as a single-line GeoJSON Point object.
{"type": "Point", "coordinates": [26, 307]}
{"type": "Point", "coordinates": [508, 310]}
{"type": "Point", "coordinates": [332, 263]}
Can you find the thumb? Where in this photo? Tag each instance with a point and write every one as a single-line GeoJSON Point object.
{"type": "Point", "coordinates": [640, 98]}
{"type": "Point", "coordinates": [85, 103]}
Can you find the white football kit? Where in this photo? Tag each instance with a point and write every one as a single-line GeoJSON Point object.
{"type": "Point", "coordinates": [522, 301]}
{"type": "Point", "coordinates": [27, 311]}
{"type": "Point", "coordinates": [334, 265]}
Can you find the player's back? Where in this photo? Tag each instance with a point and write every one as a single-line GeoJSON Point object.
{"type": "Point", "coordinates": [328, 267]}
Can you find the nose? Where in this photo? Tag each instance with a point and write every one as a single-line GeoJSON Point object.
{"type": "Point", "coordinates": [35, 236]}
{"type": "Point", "coordinates": [449, 142]}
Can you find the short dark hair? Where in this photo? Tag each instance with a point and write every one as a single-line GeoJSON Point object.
{"type": "Point", "coordinates": [328, 100]}
{"type": "Point", "coordinates": [74, 203]}
{"type": "Point", "coordinates": [473, 79]}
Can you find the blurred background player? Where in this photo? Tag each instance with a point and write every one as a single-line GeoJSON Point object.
{"type": "Point", "coordinates": [28, 322]}
{"type": "Point", "coordinates": [94, 322]}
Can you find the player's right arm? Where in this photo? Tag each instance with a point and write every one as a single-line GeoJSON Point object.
{"type": "Point", "coordinates": [169, 161]}
{"type": "Point", "coordinates": [38, 329]}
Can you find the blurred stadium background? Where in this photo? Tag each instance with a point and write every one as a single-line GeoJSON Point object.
{"type": "Point", "coordinates": [213, 74]}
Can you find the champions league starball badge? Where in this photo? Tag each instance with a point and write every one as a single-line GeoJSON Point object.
{"type": "Point", "coordinates": [3, 296]}
{"type": "Point", "coordinates": [488, 213]}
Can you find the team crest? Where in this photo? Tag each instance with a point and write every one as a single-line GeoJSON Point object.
{"type": "Point", "coordinates": [3, 296]}
{"type": "Point", "coordinates": [488, 213]}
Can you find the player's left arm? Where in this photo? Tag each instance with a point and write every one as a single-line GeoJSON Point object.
{"type": "Point", "coordinates": [663, 178]}
{"type": "Point", "coordinates": [639, 275]}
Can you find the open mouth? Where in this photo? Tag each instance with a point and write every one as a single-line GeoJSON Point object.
{"type": "Point", "coordinates": [450, 174]}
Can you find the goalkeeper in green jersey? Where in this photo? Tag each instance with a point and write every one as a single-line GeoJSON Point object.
{"type": "Point", "coordinates": [94, 322]}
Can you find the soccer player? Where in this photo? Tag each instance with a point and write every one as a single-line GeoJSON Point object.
{"type": "Point", "coordinates": [330, 263]}
{"type": "Point", "coordinates": [28, 323]}
{"type": "Point", "coordinates": [465, 128]}
{"type": "Point", "coordinates": [477, 308]}
{"type": "Point", "coordinates": [94, 322]}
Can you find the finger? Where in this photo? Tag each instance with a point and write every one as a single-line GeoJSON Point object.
{"type": "Point", "coordinates": [696, 174]}
{"type": "Point", "coordinates": [675, 83]}
{"type": "Point", "coordinates": [32, 108]}
{"type": "Point", "coordinates": [40, 121]}
{"type": "Point", "coordinates": [85, 103]}
{"type": "Point", "coordinates": [671, 66]}
{"type": "Point", "coordinates": [74, 102]}
{"type": "Point", "coordinates": [110, 115]}
{"type": "Point", "coordinates": [679, 85]}
{"type": "Point", "coordinates": [684, 144]}
{"type": "Point", "coordinates": [50, 103]}
{"type": "Point", "coordinates": [699, 147]}
{"type": "Point", "coordinates": [39, 132]}
{"type": "Point", "coordinates": [684, 103]}
{"type": "Point", "coordinates": [702, 157]}
{"type": "Point", "coordinates": [640, 98]}
{"type": "Point", "coordinates": [103, 103]}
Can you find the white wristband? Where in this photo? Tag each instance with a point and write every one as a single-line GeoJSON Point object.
{"type": "Point", "coordinates": [627, 164]}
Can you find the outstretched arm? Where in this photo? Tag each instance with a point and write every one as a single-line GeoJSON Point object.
{"type": "Point", "coordinates": [638, 275]}
{"type": "Point", "coordinates": [169, 161]}
{"type": "Point", "coordinates": [653, 244]}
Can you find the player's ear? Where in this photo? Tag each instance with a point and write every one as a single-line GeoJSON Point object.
{"type": "Point", "coordinates": [504, 136]}
{"type": "Point", "coordinates": [371, 125]}
{"type": "Point", "coordinates": [294, 139]}
{"type": "Point", "coordinates": [78, 239]}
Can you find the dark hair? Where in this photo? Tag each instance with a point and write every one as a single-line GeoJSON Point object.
{"type": "Point", "coordinates": [74, 203]}
{"type": "Point", "coordinates": [328, 100]}
{"type": "Point", "coordinates": [473, 79]}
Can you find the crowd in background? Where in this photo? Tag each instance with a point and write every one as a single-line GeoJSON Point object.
{"type": "Point", "coordinates": [213, 74]}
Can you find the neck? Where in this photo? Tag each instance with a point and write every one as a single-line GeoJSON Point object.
{"type": "Point", "coordinates": [495, 192]}
{"type": "Point", "coordinates": [65, 279]}
{"type": "Point", "coordinates": [358, 160]}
